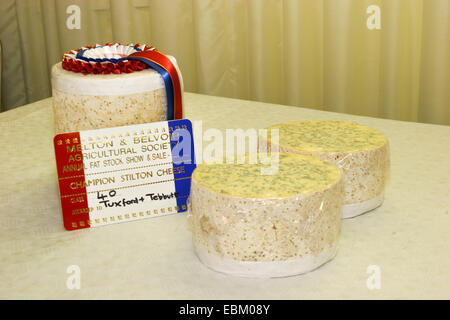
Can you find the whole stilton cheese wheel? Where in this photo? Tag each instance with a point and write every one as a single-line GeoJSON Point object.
{"type": "Point", "coordinates": [248, 224]}
{"type": "Point", "coordinates": [361, 152]}
{"type": "Point", "coordinates": [100, 87]}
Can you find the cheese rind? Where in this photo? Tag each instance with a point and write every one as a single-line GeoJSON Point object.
{"type": "Point", "coordinates": [82, 112]}
{"type": "Point", "coordinates": [235, 224]}
{"type": "Point", "coordinates": [361, 152]}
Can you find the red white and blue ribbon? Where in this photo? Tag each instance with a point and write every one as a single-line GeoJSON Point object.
{"type": "Point", "coordinates": [118, 58]}
{"type": "Point", "coordinates": [169, 73]}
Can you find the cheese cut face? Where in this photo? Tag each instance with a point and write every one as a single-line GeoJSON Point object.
{"type": "Point", "coordinates": [361, 152]}
{"type": "Point", "coordinates": [255, 225]}
{"type": "Point", "coordinates": [245, 180]}
{"type": "Point", "coordinates": [329, 136]}
{"type": "Point", "coordinates": [94, 101]}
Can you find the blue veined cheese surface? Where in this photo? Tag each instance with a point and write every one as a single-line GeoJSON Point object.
{"type": "Point", "coordinates": [297, 174]}
{"type": "Point", "coordinates": [328, 136]}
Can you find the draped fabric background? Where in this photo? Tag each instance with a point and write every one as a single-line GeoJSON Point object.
{"type": "Point", "coordinates": [310, 53]}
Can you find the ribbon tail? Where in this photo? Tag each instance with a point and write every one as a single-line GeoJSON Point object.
{"type": "Point", "coordinates": [161, 63]}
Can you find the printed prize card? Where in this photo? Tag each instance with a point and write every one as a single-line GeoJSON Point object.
{"type": "Point", "coordinates": [124, 173]}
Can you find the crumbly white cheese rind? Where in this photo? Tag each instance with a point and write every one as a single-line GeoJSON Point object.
{"type": "Point", "coordinates": [364, 159]}
{"type": "Point", "coordinates": [81, 112]}
{"type": "Point", "coordinates": [299, 228]}
{"type": "Point", "coordinates": [105, 84]}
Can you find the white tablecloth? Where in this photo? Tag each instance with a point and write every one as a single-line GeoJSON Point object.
{"type": "Point", "coordinates": [408, 237]}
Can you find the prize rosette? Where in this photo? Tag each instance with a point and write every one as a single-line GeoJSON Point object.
{"type": "Point", "coordinates": [117, 58]}
{"type": "Point", "coordinates": [104, 59]}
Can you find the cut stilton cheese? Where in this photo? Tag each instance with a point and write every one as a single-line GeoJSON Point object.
{"type": "Point", "coordinates": [361, 152]}
{"type": "Point", "coordinates": [249, 224]}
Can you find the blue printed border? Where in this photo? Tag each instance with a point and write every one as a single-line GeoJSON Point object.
{"type": "Point", "coordinates": [182, 129]}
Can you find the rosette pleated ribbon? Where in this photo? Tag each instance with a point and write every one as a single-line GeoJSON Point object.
{"type": "Point", "coordinates": [118, 58]}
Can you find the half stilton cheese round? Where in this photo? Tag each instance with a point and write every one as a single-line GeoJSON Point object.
{"type": "Point", "coordinates": [361, 152]}
{"type": "Point", "coordinates": [248, 224]}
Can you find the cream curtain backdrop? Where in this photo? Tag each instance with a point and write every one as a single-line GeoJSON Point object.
{"type": "Point", "coordinates": [309, 53]}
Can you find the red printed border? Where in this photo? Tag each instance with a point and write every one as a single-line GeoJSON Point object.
{"type": "Point", "coordinates": [72, 182]}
